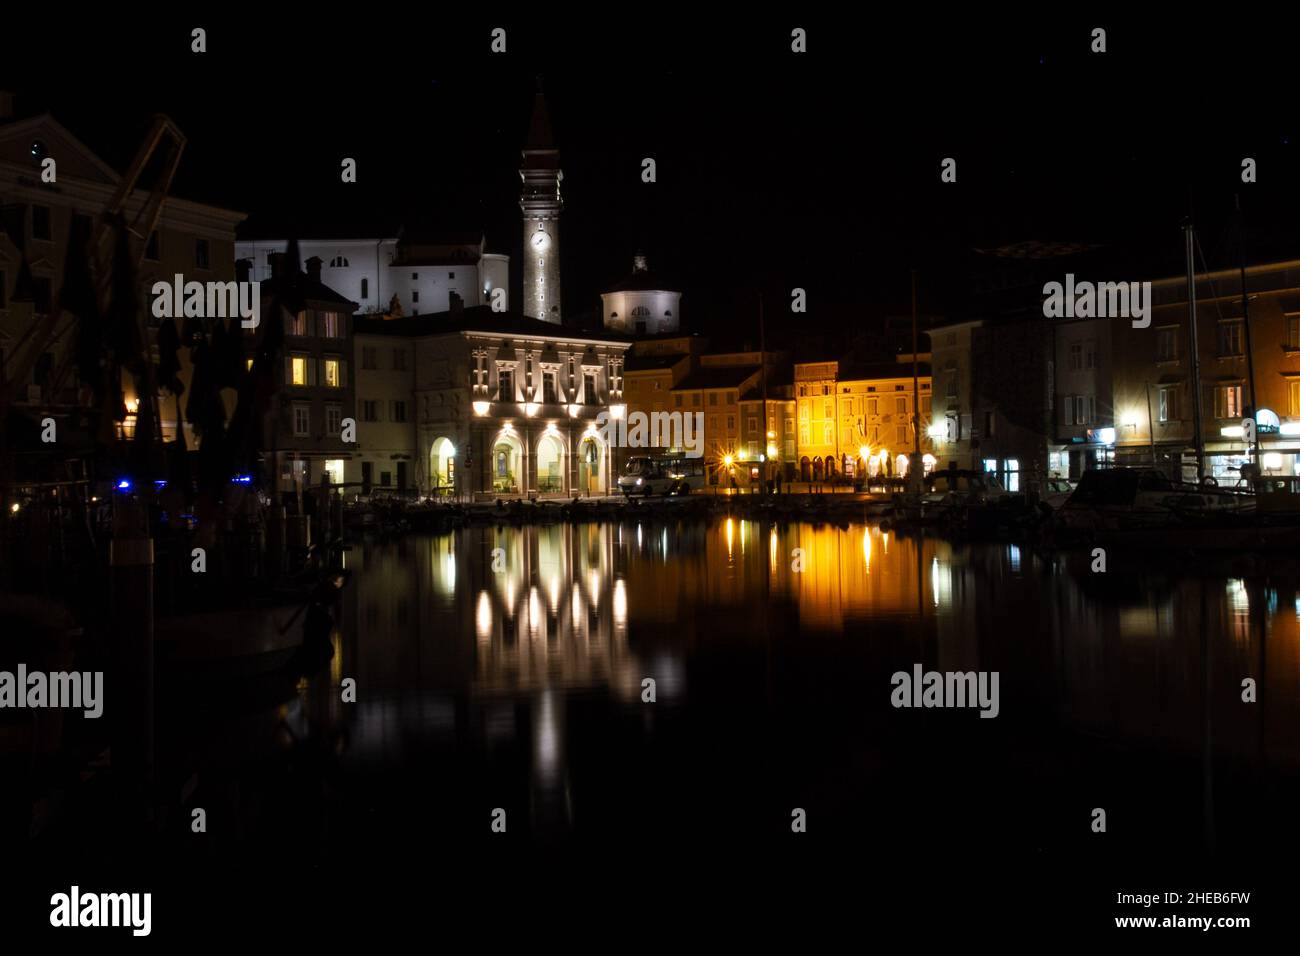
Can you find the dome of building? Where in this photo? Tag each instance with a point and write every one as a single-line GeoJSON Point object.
{"type": "Point", "coordinates": [643, 303]}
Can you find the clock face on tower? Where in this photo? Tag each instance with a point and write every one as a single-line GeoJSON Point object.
{"type": "Point", "coordinates": [540, 240]}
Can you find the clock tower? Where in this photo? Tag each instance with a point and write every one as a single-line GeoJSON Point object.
{"type": "Point", "coordinates": [539, 199]}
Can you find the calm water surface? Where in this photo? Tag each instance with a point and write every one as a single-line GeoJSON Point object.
{"type": "Point", "coordinates": [503, 667]}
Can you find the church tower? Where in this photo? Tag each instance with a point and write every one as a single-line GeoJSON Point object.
{"type": "Point", "coordinates": [539, 199]}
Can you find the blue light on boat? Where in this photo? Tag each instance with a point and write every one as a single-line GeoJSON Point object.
{"type": "Point", "coordinates": [124, 485]}
{"type": "Point", "coordinates": [160, 483]}
{"type": "Point", "coordinates": [242, 480]}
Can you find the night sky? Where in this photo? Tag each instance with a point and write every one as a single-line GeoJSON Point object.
{"type": "Point", "coordinates": [774, 170]}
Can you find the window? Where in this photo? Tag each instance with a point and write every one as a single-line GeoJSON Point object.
{"type": "Point", "coordinates": [731, 398]}
{"type": "Point", "coordinates": [1293, 330]}
{"type": "Point", "coordinates": [451, 275]}
{"type": "Point", "coordinates": [297, 324]}
{"type": "Point", "coordinates": [365, 288]}
{"type": "Point", "coordinates": [805, 436]}
{"type": "Point", "coordinates": [952, 384]}
{"type": "Point", "coordinates": [1227, 401]}
{"type": "Point", "coordinates": [331, 322]}
{"type": "Point", "coordinates": [1168, 404]}
{"type": "Point", "coordinates": [369, 357]}
{"type": "Point", "coordinates": [505, 385]}
{"type": "Point", "coordinates": [828, 433]}
{"type": "Point", "coordinates": [902, 434]}
{"type": "Point", "coordinates": [753, 426]}
{"type": "Point", "coordinates": [828, 408]}
{"type": "Point", "coordinates": [1167, 344]}
{"type": "Point", "coordinates": [713, 398]}
{"type": "Point", "coordinates": [1076, 356]}
{"type": "Point", "coordinates": [202, 254]}
{"type": "Point", "coordinates": [677, 401]}
{"type": "Point", "coordinates": [415, 276]}
{"type": "Point", "coordinates": [339, 262]}
{"type": "Point", "coordinates": [900, 406]}
{"type": "Point", "coordinates": [333, 373]}
{"type": "Point", "coordinates": [298, 370]}
{"type": "Point", "coordinates": [925, 404]}
{"type": "Point", "coordinates": [589, 389]}
{"type": "Point", "coordinates": [151, 247]}
{"type": "Point", "coordinates": [41, 222]}
{"type": "Point", "coordinates": [731, 423]}
{"type": "Point", "coordinates": [415, 295]}
{"type": "Point", "coordinates": [1081, 409]}
{"type": "Point", "coordinates": [1011, 471]}
{"type": "Point", "coordinates": [1294, 389]}
{"type": "Point", "coordinates": [873, 406]}
{"type": "Point", "coordinates": [370, 410]}
{"type": "Point", "coordinates": [333, 420]}
{"type": "Point", "coordinates": [301, 420]}
{"type": "Point", "coordinates": [695, 399]}
{"type": "Point", "coordinates": [1090, 354]}
{"type": "Point", "coordinates": [398, 411]}
{"type": "Point", "coordinates": [1230, 338]}
{"type": "Point", "coordinates": [548, 386]}
{"type": "Point", "coordinates": [399, 360]}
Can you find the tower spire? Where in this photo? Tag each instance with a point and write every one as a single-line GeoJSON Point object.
{"type": "Point", "coordinates": [540, 203]}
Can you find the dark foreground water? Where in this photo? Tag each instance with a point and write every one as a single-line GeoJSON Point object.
{"type": "Point", "coordinates": [502, 670]}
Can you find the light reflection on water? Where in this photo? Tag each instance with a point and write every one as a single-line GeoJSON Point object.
{"type": "Point", "coordinates": [487, 636]}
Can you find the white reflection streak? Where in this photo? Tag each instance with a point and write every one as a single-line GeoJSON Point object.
{"type": "Point", "coordinates": [547, 741]}
{"type": "Point", "coordinates": [484, 616]}
{"type": "Point", "coordinates": [620, 603]}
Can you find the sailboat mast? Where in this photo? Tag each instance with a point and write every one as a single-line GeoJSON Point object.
{"type": "Point", "coordinates": [1245, 323]}
{"type": "Point", "coordinates": [1189, 233]}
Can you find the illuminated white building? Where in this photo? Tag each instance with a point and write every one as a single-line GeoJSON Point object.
{"type": "Point", "coordinates": [640, 304]}
{"type": "Point", "coordinates": [501, 404]}
{"type": "Point", "coordinates": [425, 275]}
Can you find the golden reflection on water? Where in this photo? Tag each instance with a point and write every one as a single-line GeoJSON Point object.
{"type": "Point", "coordinates": [513, 611]}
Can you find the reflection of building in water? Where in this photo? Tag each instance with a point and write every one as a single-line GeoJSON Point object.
{"type": "Point", "coordinates": [850, 573]}
{"type": "Point", "coordinates": [435, 610]}
{"type": "Point", "coordinates": [1117, 655]}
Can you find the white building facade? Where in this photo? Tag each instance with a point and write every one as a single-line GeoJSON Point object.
{"type": "Point", "coordinates": [504, 405]}
{"type": "Point", "coordinates": [425, 276]}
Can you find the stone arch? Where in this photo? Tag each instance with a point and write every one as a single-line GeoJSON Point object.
{"type": "Point", "coordinates": [591, 464]}
{"type": "Point", "coordinates": [551, 463]}
{"type": "Point", "coordinates": [507, 462]}
{"type": "Point", "coordinates": [442, 466]}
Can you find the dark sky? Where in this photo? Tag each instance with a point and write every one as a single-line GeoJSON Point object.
{"type": "Point", "coordinates": [774, 170]}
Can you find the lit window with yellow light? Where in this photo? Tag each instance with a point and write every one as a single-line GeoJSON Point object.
{"type": "Point", "coordinates": [332, 373]}
{"type": "Point", "coordinates": [299, 369]}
